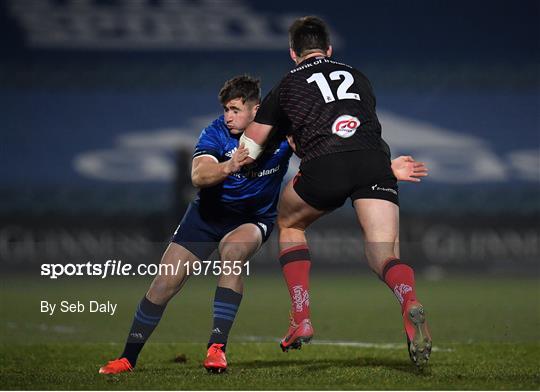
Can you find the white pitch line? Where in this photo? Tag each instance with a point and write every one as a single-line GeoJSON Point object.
{"type": "Point", "coordinates": [42, 327]}
{"type": "Point", "coordinates": [343, 343]}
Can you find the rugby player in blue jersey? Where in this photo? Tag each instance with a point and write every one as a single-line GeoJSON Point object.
{"type": "Point", "coordinates": [234, 212]}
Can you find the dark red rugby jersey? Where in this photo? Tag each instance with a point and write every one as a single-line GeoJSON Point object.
{"type": "Point", "coordinates": [327, 106]}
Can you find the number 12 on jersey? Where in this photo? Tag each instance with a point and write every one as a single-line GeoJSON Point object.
{"type": "Point", "coordinates": [326, 92]}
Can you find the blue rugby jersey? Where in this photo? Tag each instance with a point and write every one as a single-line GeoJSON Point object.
{"type": "Point", "coordinates": [253, 190]}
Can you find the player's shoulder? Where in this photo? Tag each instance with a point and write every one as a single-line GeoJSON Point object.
{"type": "Point", "coordinates": [352, 69]}
{"type": "Point", "coordinates": [335, 64]}
{"type": "Point", "coordinates": [282, 148]}
{"type": "Point", "coordinates": [216, 128]}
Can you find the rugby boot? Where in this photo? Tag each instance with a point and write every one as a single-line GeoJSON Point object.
{"type": "Point", "coordinates": [416, 330]}
{"type": "Point", "coordinates": [116, 366]}
{"type": "Point", "coordinates": [215, 361]}
{"type": "Point", "coordinates": [296, 335]}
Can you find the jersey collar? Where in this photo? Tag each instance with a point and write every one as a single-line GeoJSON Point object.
{"type": "Point", "coordinates": [310, 60]}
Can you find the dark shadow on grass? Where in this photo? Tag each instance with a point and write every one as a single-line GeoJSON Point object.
{"type": "Point", "coordinates": [322, 364]}
{"type": "Point", "coordinates": [404, 366]}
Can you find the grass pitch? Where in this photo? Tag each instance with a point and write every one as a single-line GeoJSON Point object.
{"type": "Point", "coordinates": [486, 336]}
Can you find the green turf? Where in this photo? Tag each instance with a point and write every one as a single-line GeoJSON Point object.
{"type": "Point", "coordinates": [486, 333]}
{"type": "Point", "coordinates": [263, 366]}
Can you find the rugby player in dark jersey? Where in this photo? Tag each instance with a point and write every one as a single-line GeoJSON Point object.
{"type": "Point", "coordinates": [329, 109]}
{"type": "Point", "coordinates": [234, 212]}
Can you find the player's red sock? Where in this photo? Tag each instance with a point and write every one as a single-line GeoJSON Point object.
{"type": "Point", "coordinates": [295, 264]}
{"type": "Point", "coordinates": [400, 278]}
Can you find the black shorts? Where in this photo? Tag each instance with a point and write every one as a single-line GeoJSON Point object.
{"type": "Point", "coordinates": [326, 182]}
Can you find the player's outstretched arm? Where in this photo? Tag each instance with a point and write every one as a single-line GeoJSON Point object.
{"type": "Point", "coordinates": [405, 168]}
{"type": "Point", "coordinates": [206, 171]}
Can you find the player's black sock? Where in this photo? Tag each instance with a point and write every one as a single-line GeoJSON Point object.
{"type": "Point", "coordinates": [226, 303]}
{"type": "Point", "coordinates": [145, 321]}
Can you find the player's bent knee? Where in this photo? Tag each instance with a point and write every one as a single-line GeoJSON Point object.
{"type": "Point", "coordinates": [162, 289]}
{"type": "Point", "coordinates": [238, 251]}
{"type": "Point", "coordinates": [160, 297]}
{"type": "Point", "coordinates": [293, 224]}
{"type": "Point", "coordinates": [283, 222]}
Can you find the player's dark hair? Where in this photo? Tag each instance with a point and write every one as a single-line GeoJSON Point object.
{"type": "Point", "coordinates": [243, 86]}
{"type": "Point", "coordinates": [308, 34]}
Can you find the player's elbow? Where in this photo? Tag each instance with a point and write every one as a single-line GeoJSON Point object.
{"type": "Point", "coordinates": [197, 182]}
{"type": "Point", "coordinates": [196, 179]}
{"type": "Point", "coordinates": [200, 181]}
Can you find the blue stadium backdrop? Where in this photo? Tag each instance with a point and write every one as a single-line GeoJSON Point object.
{"type": "Point", "coordinates": [101, 103]}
